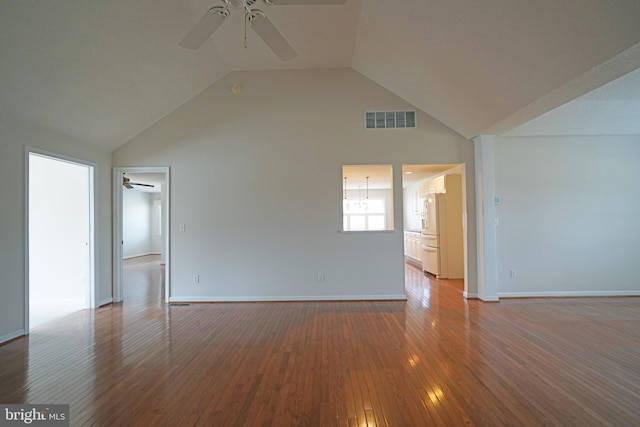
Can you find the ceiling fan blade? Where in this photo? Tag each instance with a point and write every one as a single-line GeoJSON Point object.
{"type": "Point", "coordinates": [204, 28]}
{"type": "Point", "coordinates": [271, 36]}
{"type": "Point", "coordinates": [318, 2]}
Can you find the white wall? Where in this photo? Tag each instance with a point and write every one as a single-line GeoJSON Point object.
{"type": "Point", "coordinates": [136, 223]}
{"type": "Point", "coordinates": [14, 135]}
{"type": "Point", "coordinates": [269, 164]}
{"type": "Point", "coordinates": [58, 230]}
{"type": "Point", "coordinates": [140, 223]}
{"type": "Point", "coordinates": [568, 215]}
{"type": "Point", "coordinates": [412, 220]}
{"type": "Point", "coordinates": [156, 224]}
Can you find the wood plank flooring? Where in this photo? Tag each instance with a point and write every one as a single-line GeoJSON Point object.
{"type": "Point", "coordinates": [434, 360]}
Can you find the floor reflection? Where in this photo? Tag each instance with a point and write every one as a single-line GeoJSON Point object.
{"type": "Point", "coordinates": [434, 359]}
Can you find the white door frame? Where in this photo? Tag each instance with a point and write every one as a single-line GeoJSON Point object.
{"type": "Point", "coordinates": [463, 176]}
{"type": "Point", "coordinates": [91, 294]}
{"type": "Point", "coordinates": [117, 227]}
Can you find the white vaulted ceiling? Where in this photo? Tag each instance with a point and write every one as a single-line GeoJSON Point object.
{"type": "Point", "coordinates": [103, 71]}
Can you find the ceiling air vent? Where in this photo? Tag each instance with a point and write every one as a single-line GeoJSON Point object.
{"type": "Point", "coordinates": [389, 119]}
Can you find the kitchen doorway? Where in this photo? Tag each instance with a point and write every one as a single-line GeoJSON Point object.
{"type": "Point", "coordinates": [436, 244]}
{"type": "Point", "coordinates": [60, 242]}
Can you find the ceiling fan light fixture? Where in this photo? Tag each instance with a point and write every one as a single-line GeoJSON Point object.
{"type": "Point", "coordinates": [239, 4]}
{"type": "Point", "coordinates": [219, 10]}
{"type": "Point", "coordinates": [260, 23]}
{"type": "Point", "coordinates": [253, 14]}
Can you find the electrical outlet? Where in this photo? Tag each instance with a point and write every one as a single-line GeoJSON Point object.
{"type": "Point", "coordinates": [182, 227]}
{"type": "Point", "coordinates": [513, 273]}
{"type": "Point", "coordinates": [320, 277]}
{"type": "Point", "coordinates": [196, 278]}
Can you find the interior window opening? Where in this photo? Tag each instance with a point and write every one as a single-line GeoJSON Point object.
{"type": "Point", "coordinates": [367, 197]}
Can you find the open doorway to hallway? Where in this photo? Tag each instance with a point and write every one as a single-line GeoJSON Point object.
{"type": "Point", "coordinates": [434, 220]}
{"type": "Point", "coordinates": [143, 279]}
{"type": "Point", "coordinates": [141, 222]}
{"type": "Point", "coordinates": [60, 230]}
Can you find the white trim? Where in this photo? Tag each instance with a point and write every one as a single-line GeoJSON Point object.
{"type": "Point", "coordinates": [11, 336]}
{"type": "Point", "coordinates": [26, 240]}
{"type": "Point", "coordinates": [486, 245]}
{"type": "Point", "coordinates": [91, 295]}
{"type": "Point", "coordinates": [117, 226]}
{"type": "Point", "coordinates": [470, 295]}
{"type": "Point", "coordinates": [569, 294]}
{"type": "Point", "coordinates": [105, 302]}
{"type": "Point", "coordinates": [465, 231]}
{"type": "Point", "coordinates": [141, 255]}
{"type": "Point", "coordinates": [289, 298]}
{"type": "Point", "coordinates": [366, 231]}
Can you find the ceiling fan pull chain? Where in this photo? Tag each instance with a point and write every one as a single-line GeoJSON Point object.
{"type": "Point", "coordinates": [246, 16]}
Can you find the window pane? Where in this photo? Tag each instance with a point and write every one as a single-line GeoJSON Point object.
{"type": "Point", "coordinates": [357, 222]}
{"type": "Point", "coordinates": [376, 222]}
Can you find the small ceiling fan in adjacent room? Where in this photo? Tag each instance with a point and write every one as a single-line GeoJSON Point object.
{"type": "Point", "coordinates": [129, 185]}
{"type": "Point", "coordinates": [254, 18]}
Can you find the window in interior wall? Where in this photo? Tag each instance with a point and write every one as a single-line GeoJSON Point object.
{"type": "Point", "coordinates": [367, 197]}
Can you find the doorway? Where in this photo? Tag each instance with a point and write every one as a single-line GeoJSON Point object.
{"type": "Point", "coordinates": [60, 230]}
{"type": "Point", "coordinates": [147, 196]}
{"type": "Point", "coordinates": [419, 181]}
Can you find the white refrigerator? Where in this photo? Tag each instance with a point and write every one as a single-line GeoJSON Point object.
{"type": "Point", "coordinates": [441, 241]}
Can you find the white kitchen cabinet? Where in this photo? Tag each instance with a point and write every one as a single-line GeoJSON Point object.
{"type": "Point", "coordinates": [412, 247]}
{"type": "Point", "coordinates": [435, 185]}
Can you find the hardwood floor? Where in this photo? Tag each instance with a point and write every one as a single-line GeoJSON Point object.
{"type": "Point", "coordinates": [435, 359]}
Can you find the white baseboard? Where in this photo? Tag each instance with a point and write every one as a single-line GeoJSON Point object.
{"type": "Point", "coordinates": [569, 294]}
{"type": "Point", "coordinates": [290, 298]}
{"type": "Point", "coordinates": [11, 336]}
{"type": "Point", "coordinates": [105, 302]}
{"type": "Point", "coordinates": [485, 298]}
{"type": "Point", "coordinates": [141, 255]}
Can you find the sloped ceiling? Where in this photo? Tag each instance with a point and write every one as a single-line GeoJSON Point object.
{"type": "Point", "coordinates": [612, 109]}
{"type": "Point", "coordinates": [103, 71]}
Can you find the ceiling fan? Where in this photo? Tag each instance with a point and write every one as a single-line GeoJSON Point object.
{"type": "Point", "coordinates": [254, 18]}
{"type": "Point", "coordinates": [129, 185]}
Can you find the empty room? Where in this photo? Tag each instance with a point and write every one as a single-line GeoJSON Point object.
{"type": "Point", "coordinates": [298, 156]}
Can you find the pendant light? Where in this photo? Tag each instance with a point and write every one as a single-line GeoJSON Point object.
{"type": "Point", "coordinates": [345, 188]}
{"type": "Point", "coordinates": [367, 188]}
{"type": "Point", "coordinates": [365, 204]}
